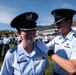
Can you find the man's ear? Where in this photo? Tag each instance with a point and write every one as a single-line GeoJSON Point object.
{"type": "Point", "coordinates": [69, 22]}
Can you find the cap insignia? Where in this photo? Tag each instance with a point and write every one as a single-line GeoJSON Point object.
{"type": "Point", "coordinates": [29, 17]}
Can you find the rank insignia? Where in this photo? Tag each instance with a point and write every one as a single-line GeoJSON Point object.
{"type": "Point", "coordinates": [39, 58]}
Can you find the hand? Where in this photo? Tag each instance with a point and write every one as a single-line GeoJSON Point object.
{"type": "Point", "coordinates": [50, 52]}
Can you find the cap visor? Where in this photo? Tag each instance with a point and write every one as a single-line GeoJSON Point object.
{"type": "Point", "coordinates": [59, 20]}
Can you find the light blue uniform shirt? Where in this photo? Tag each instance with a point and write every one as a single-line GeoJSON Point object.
{"type": "Point", "coordinates": [66, 48]}
{"type": "Point", "coordinates": [19, 62]}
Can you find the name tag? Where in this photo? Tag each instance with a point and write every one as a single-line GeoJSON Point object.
{"type": "Point", "coordinates": [21, 61]}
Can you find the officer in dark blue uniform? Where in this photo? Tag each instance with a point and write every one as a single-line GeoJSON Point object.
{"type": "Point", "coordinates": [64, 44]}
{"type": "Point", "coordinates": [27, 58]}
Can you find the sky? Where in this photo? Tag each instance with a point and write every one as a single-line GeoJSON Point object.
{"type": "Point", "coordinates": [9, 9]}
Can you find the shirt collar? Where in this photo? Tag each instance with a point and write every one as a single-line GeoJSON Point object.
{"type": "Point", "coordinates": [69, 36]}
{"type": "Point", "coordinates": [22, 53]}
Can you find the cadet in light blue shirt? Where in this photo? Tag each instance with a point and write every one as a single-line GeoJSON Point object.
{"type": "Point", "coordinates": [27, 58]}
{"type": "Point", "coordinates": [19, 62]}
{"type": "Point", "coordinates": [64, 44]}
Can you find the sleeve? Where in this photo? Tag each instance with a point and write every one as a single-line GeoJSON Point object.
{"type": "Point", "coordinates": [51, 44]}
{"type": "Point", "coordinates": [6, 68]}
{"type": "Point", "coordinates": [73, 54]}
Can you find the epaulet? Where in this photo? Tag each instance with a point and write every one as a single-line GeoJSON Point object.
{"type": "Point", "coordinates": [41, 45]}
{"type": "Point", "coordinates": [74, 35]}
{"type": "Point", "coordinates": [13, 49]}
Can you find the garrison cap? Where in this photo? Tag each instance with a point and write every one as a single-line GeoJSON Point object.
{"type": "Point", "coordinates": [61, 14]}
{"type": "Point", "coordinates": [25, 21]}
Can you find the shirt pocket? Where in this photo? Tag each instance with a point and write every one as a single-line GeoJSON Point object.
{"type": "Point", "coordinates": [39, 66]}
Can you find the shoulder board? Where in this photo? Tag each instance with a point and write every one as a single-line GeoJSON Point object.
{"type": "Point", "coordinates": [74, 35]}
{"type": "Point", "coordinates": [41, 45]}
{"type": "Point", "coordinates": [13, 49]}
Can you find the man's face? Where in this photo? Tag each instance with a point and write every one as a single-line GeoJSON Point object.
{"type": "Point", "coordinates": [28, 35]}
{"type": "Point", "coordinates": [62, 26]}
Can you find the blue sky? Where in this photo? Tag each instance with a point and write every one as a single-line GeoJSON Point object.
{"type": "Point", "coordinates": [11, 8]}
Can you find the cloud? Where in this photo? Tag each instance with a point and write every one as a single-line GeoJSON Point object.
{"type": "Point", "coordinates": [6, 14]}
{"type": "Point", "coordinates": [46, 21]}
{"type": "Point", "coordinates": [67, 5]}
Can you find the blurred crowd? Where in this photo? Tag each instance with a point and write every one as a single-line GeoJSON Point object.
{"type": "Point", "coordinates": [6, 40]}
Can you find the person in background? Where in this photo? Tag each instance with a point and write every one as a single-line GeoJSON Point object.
{"type": "Point", "coordinates": [6, 42]}
{"type": "Point", "coordinates": [27, 58]}
{"type": "Point", "coordinates": [1, 46]}
{"type": "Point", "coordinates": [18, 39]}
{"type": "Point", "coordinates": [64, 44]}
{"type": "Point", "coordinates": [45, 38]}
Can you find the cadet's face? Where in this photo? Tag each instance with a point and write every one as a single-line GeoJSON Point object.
{"type": "Point", "coordinates": [62, 26]}
{"type": "Point", "coordinates": [28, 34]}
